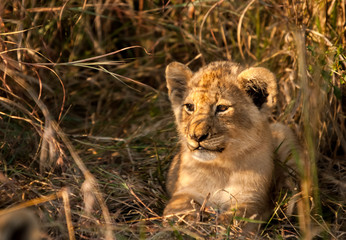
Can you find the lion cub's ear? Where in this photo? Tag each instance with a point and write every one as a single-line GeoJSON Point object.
{"type": "Point", "coordinates": [177, 76]}
{"type": "Point", "coordinates": [260, 84]}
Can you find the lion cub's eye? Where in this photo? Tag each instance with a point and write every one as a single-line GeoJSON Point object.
{"type": "Point", "coordinates": [221, 108]}
{"type": "Point", "coordinates": [189, 108]}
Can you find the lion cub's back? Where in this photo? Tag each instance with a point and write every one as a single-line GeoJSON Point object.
{"type": "Point", "coordinates": [287, 152]}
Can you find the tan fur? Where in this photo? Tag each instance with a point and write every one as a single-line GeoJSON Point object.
{"type": "Point", "coordinates": [19, 225]}
{"type": "Point", "coordinates": [227, 143]}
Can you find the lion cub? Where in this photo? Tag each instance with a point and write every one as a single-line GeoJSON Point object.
{"type": "Point", "coordinates": [227, 142]}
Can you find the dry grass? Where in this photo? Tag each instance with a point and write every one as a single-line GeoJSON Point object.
{"type": "Point", "coordinates": [86, 128]}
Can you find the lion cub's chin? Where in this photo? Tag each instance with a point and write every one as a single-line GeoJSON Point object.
{"type": "Point", "coordinates": [203, 155]}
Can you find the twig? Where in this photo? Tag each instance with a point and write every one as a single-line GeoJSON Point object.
{"type": "Point", "coordinates": [139, 200]}
{"type": "Point", "coordinates": [205, 18]}
{"type": "Point", "coordinates": [32, 202]}
{"type": "Point", "coordinates": [67, 208]}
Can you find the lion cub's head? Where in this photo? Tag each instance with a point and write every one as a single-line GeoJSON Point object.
{"type": "Point", "coordinates": [222, 108]}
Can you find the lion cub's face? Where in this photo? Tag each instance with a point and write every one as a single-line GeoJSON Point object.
{"type": "Point", "coordinates": [220, 108]}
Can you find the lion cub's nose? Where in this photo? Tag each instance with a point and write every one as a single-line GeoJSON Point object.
{"type": "Point", "coordinates": [199, 137]}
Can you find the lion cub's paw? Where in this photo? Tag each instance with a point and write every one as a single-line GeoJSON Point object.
{"type": "Point", "coordinates": [182, 208]}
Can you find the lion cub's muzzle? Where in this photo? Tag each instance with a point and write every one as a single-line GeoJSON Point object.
{"type": "Point", "coordinates": [205, 146]}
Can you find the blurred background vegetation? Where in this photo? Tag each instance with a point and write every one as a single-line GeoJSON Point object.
{"type": "Point", "coordinates": [87, 133]}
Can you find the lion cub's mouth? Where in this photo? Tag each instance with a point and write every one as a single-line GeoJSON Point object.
{"type": "Point", "coordinates": [205, 155]}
